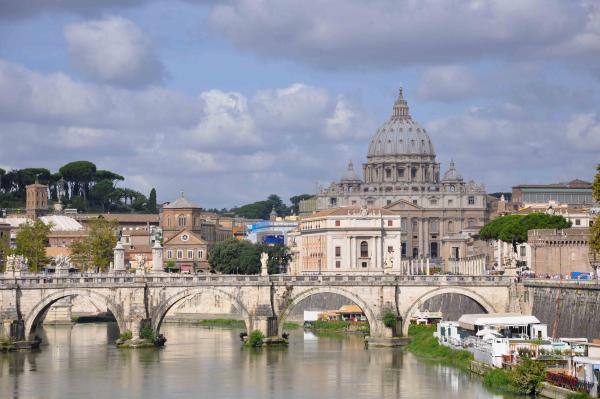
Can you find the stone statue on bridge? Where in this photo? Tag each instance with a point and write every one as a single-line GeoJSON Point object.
{"type": "Point", "coordinates": [16, 264]}
{"type": "Point", "coordinates": [389, 261]}
{"type": "Point", "coordinates": [62, 264]}
{"type": "Point", "coordinates": [264, 259]}
{"type": "Point", "coordinates": [140, 260]}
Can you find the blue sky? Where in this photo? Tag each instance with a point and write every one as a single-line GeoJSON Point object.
{"type": "Point", "coordinates": [231, 101]}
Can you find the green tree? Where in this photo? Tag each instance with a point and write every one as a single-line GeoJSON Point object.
{"type": "Point", "coordinates": [100, 194]}
{"type": "Point", "coordinates": [595, 227]}
{"type": "Point", "coordinates": [234, 257]}
{"type": "Point", "coordinates": [514, 228]}
{"type": "Point", "coordinates": [95, 251]}
{"type": "Point", "coordinates": [151, 207]}
{"type": "Point", "coordinates": [78, 175]}
{"type": "Point", "coordinates": [527, 376]}
{"type": "Point", "coordinates": [31, 242]}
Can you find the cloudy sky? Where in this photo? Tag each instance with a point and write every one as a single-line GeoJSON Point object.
{"type": "Point", "coordinates": [232, 100]}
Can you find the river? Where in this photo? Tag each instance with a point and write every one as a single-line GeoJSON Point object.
{"type": "Point", "coordinates": [80, 361]}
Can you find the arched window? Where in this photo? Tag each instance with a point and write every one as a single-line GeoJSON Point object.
{"type": "Point", "coordinates": [364, 249]}
{"type": "Point", "coordinates": [181, 220]}
{"type": "Point", "coordinates": [168, 221]}
{"type": "Point", "coordinates": [450, 227]}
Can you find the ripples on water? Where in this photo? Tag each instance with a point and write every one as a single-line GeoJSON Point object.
{"type": "Point", "coordinates": [80, 361]}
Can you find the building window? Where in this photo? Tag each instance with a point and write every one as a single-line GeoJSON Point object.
{"type": "Point", "coordinates": [388, 202]}
{"type": "Point", "coordinates": [181, 220]}
{"type": "Point", "coordinates": [190, 254]}
{"type": "Point", "coordinates": [364, 265]}
{"type": "Point", "coordinates": [415, 252]}
{"type": "Point", "coordinates": [353, 202]}
{"type": "Point", "coordinates": [450, 202]}
{"type": "Point", "coordinates": [523, 250]}
{"type": "Point", "coordinates": [413, 172]}
{"type": "Point", "coordinates": [401, 172]}
{"type": "Point", "coordinates": [179, 254]}
{"type": "Point", "coordinates": [338, 251]}
{"type": "Point", "coordinates": [370, 202]}
{"type": "Point", "coordinates": [577, 222]}
{"type": "Point", "coordinates": [450, 227]}
{"type": "Point", "coordinates": [333, 201]}
{"type": "Point", "coordinates": [169, 254]}
{"type": "Point", "coordinates": [390, 249]}
{"type": "Point", "coordinates": [364, 249]}
{"type": "Point", "coordinates": [337, 223]}
{"type": "Point", "coordinates": [338, 264]}
{"type": "Point", "coordinates": [471, 200]}
{"type": "Point", "coordinates": [390, 223]}
{"type": "Point", "coordinates": [200, 254]}
{"type": "Point", "coordinates": [433, 202]}
{"type": "Point", "coordinates": [388, 173]}
{"type": "Point", "coordinates": [415, 202]}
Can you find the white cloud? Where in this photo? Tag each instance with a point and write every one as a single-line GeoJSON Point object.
{"type": "Point", "coordinates": [205, 144]}
{"type": "Point", "coordinates": [384, 33]}
{"type": "Point", "coordinates": [113, 50]}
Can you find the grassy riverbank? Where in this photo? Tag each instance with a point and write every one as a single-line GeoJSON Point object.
{"type": "Point", "coordinates": [232, 323]}
{"type": "Point", "coordinates": [340, 326]}
{"type": "Point", "coordinates": [424, 344]}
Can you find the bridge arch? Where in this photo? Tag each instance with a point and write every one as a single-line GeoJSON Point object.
{"type": "Point", "coordinates": [489, 308]}
{"type": "Point", "coordinates": [36, 314]}
{"type": "Point", "coordinates": [161, 310]}
{"type": "Point", "coordinates": [375, 325]}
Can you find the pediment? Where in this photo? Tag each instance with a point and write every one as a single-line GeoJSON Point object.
{"type": "Point", "coordinates": [185, 237]}
{"type": "Point", "coordinates": [402, 205]}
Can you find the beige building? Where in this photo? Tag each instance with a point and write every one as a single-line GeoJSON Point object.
{"type": "Point", "coordinates": [345, 240]}
{"type": "Point", "coordinates": [36, 200]}
{"type": "Point", "coordinates": [189, 233]}
{"type": "Point", "coordinates": [559, 252]}
{"type": "Point", "coordinates": [402, 175]}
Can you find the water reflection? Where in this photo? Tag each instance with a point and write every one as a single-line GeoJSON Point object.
{"type": "Point", "coordinates": [80, 360]}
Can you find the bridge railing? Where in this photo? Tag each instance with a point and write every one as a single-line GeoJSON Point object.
{"type": "Point", "coordinates": [111, 279]}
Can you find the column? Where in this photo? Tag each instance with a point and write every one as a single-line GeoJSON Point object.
{"type": "Point", "coordinates": [157, 257]}
{"type": "Point", "coordinates": [427, 266]}
{"type": "Point", "coordinates": [119, 257]}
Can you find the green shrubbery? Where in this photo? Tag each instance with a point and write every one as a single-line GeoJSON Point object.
{"type": "Point", "coordinates": [424, 344]}
{"type": "Point", "coordinates": [126, 335]}
{"type": "Point", "coordinates": [255, 339]}
{"type": "Point", "coordinates": [223, 323]}
{"type": "Point", "coordinates": [146, 332]}
{"type": "Point", "coordinates": [390, 319]}
{"type": "Point", "coordinates": [524, 379]}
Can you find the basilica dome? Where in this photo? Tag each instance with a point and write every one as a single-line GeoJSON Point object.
{"type": "Point", "coordinates": [400, 135]}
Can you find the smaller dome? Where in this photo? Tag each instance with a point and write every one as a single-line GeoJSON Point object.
{"type": "Point", "coordinates": [181, 203]}
{"type": "Point", "coordinates": [452, 174]}
{"type": "Point", "coordinates": [350, 175]}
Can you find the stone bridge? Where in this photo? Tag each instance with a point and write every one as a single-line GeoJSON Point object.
{"type": "Point", "coordinates": [264, 301]}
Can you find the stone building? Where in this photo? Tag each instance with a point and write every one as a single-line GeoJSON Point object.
{"type": "Point", "coordinates": [559, 252]}
{"type": "Point", "coordinates": [402, 175]}
{"type": "Point", "coordinates": [350, 239]}
{"type": "Point", "coordinates": [576, 192]}
{"type": "Point", "coordinates": [188, 235]}
{"type": "Point", "coordinates": [4, 242]}
{"type": "Point", "coordinates": [36, 200]}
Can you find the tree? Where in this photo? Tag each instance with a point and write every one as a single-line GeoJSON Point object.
{"type": "Point", "coordinates": [234, 257]}
{"type": "Point", "coordinates": [527, 376]}
{"type": "Point", "coordinates": [31, 242]}
{"type": "Point", "coordinates": [243, 257]}
{"type": "Point", "coordinates": [78, 175]}
{"type": "Point", "coordinates": [595, 227]}
{"type": "Point", "coordinates": [95, 251]}
{"type": "Point", "coordinates": [514, 228]}
{"type": "Point", "coordinates": [151, 207]}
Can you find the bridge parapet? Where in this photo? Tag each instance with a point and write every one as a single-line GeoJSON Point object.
{"type": "Point", "coordinates": [183, 280]}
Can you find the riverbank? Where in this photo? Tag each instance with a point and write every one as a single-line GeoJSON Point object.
{"type": "Point", "coordinates": [339, 326]}
{"type": "Point", "coordinates": [526, 378]}
{"type": "Point", "coordinates": [233, 323]}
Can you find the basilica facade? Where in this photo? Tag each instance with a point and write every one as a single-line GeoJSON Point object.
{"type": "Point", "coordinates": [402, 176]}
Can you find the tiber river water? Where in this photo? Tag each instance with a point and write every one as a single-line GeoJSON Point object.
{"type": "Point", "coordinates": [81, 361]}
